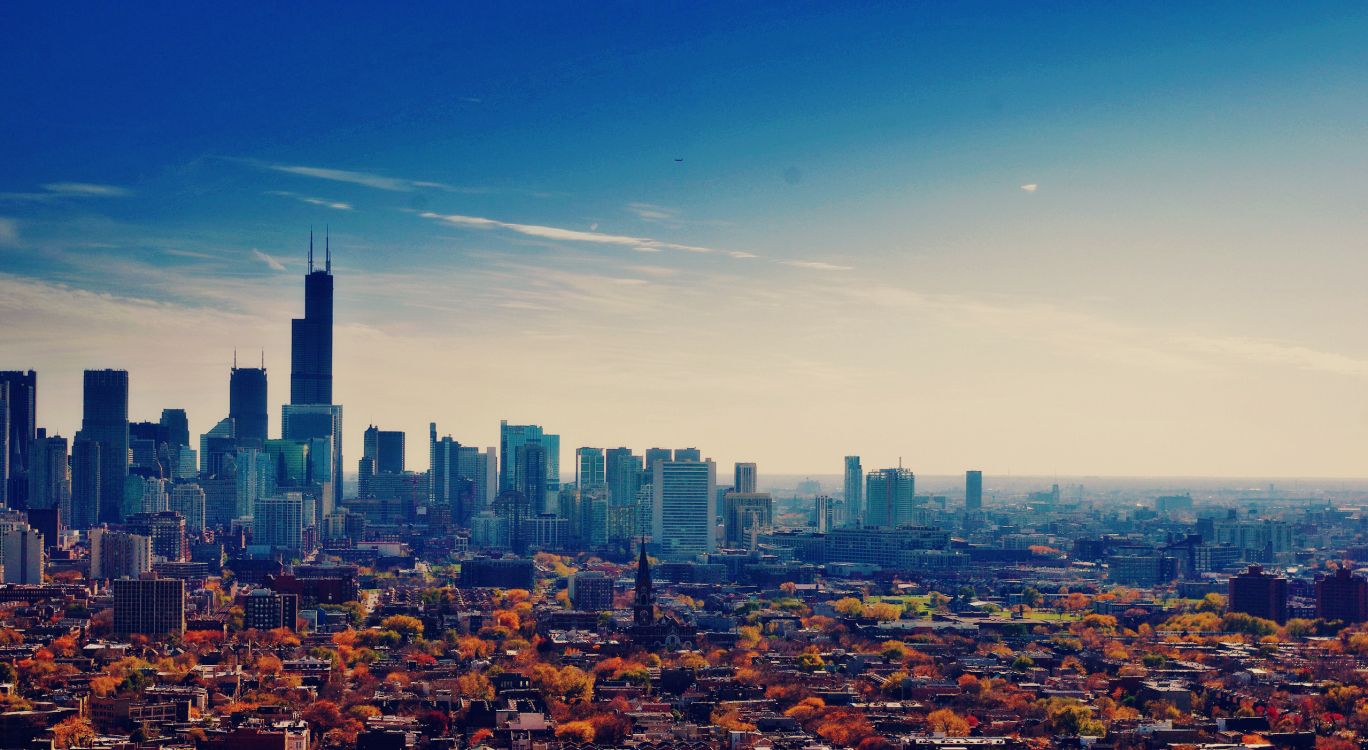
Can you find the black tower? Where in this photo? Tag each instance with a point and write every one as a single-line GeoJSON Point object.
{"type": "Point", "coordinates": [311, 337]}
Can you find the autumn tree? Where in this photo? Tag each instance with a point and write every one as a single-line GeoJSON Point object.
{"type": "Point", "coordinates": [948, 723]}
{"type": "Point", "coordinates": [72, 731]}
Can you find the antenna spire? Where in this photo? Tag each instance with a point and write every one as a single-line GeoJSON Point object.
{"type": "Point", "coordinates": [235, 359]}
{"type": "Point", "coordinates": [310, 248]}
{"type": "Point", "coordinates": [327, 248]}
{"type": "Point", "coordinates": [263, 359]}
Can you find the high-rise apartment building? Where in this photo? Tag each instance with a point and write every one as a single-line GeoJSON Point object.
{"type": "Point", "coordinates": [278, 522]}
{"type": "Point", "coordinates": [166, 529]}
{"type": "Point", "coordinates": [682, 500]}
{"type": "Point", "coordinates": [890, 497]}
{"type": "Point", "coordinates": [247, 399]}
{"type": "Point", "coordinates": [973, 491]}
{"type": "Point", "coordinates": [264, 609]}
{"type": "Point", "coordinates": [591, 591]}
{"type": "Point", "coordinates": [149, 606]}
{"type": "Point", "coordinates": [311, 337]}
{"type": "Point", "coordinates": [744, 479]}
{"type": "Point", "coordinates": [22, 552]}
{"type": "Point", "coordinates": [854, 489]}
{"type": "Point", "coordinates": [1260, 594]}
{"type": "Point", "coordinates": [1342, 596]}
{"type": "Point", "coordinates": [188, 501]}
{"type": "Point", "coordinates": [118, 554]}
{"type": "Point", "coordinates": [105, 421]}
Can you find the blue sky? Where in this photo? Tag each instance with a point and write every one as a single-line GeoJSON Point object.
{"type": "Point", "coordinates": [1031, 238]}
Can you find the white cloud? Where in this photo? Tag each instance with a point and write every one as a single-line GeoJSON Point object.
{"type": "Point", "coordinates": [654, 213]}
{"type": "Point", "coordinates": [642, 244]}
{"type": "Point", "coordinates": [816, 265]}
{"type": "Point", "coordinates": [1030, 187]}
{"type": "Point", "coordinates": [324, 202]}
{"type": "Point", "coordinates": [53, 191]}
{"type": "Point", "coordinates": [274, 263]}
{"type": "Point", "coordinates": [78, 189]}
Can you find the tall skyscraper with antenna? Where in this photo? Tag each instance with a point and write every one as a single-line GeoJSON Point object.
{"type": "Point", "coordinates": [311, 337]}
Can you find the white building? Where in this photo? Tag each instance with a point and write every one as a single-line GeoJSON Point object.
{"type": "Point", "coordinates": [682, 526]}
{"type": "Point", "coordinates": [22, 554]}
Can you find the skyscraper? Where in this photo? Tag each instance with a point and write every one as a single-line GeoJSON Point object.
{"type": "Point", "coordinates": [21, 405]}
{"type": "Point", "coordinates": [105, 421]}
{"type": "Point", "coordinates": [385, 448]}
{"type": "Point", "coordinates": [247, 403]}
{"type": "Point", "coordinates": [311, 337]}
{"type": "Point", "coordinates": [854, 485]}
{"type": "Point", "coordinates": [176, 426]}
{"type": "Point", "coordinates": [745, 478]}
{"type": "Point", "coordinates": [973, 491]}
{"type": "Point", "coordinates": [50, 475]}
{"type": "Point", "coordinates": [5, 457]}
{"type": "Point", "coordinates": [682, 510]}
{"type": "Point", "coordinates": [589, 469]}
{"type": "Point", "coordinates": [655, 456]}
{"type": "Point", "coordinates": [622, 471]}
{"type": "Point", "coordinates": [85, 483]}
{"type": "Point", "coordinates": [890, 497]}
{"type": "Point", "coordinates": [319, 422]}
{"type": "Point", "coordinates": [511, 437]}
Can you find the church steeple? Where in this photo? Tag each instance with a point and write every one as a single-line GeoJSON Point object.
{"type": "Point", "coordinates": [643, 608]}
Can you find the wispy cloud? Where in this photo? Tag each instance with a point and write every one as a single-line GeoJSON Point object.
{"type": "Point", "coordinates": [274, 263]}
{"type": "Point", "coordinates": [1269, 352]}
{"type": "Point", "coordinates": [1030, 187]}
{"type": "Point", "coordinates": [89, 189]}
{"type": "Point", "coordinates": [653, 213]}
{"type": "Point", "coordinates": [816, 265]}
{"type": "Point", "coordinates": [9, 232]}
{"type": "Point", "coordinates": [365, 179]}
{"type": "Point", "coordinates": [53, 191]}
{"type": "Point", "coordinates": [639, 244]}
{"type": "Point", "coordinates": [642, 244]}
{"type": "Point", "coordinates": [324, 202]}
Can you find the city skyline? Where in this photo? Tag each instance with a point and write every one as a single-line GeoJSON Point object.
{"type": "Point", "coordinates": [1025, 244]}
